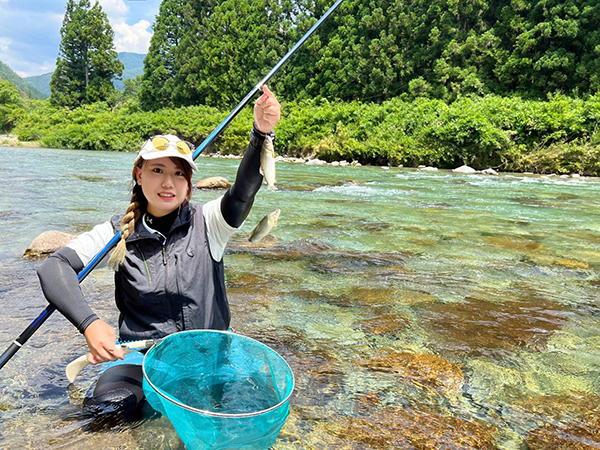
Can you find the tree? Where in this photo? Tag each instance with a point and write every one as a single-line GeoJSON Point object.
{"type": "Point", "coordinates": [551, 46]}
{"type": "Point", "coordinates": [11, 103]}
{"type": "Point", "coordinates": [87, 61]}
{"type": "Point", "coordinates": [160, 67]}
{"type": "Point", "coordinates": [230, 47]}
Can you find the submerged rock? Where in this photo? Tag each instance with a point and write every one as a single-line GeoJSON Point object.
{"type": "Point", "coordinates": [422, 369]}
{"type": "Point", "coordinates": [213, 183]}
{"type": "Point", "coordinates": [48, 242]}
{"type": "Point", "coordinates": [494, 328]}
{"type": "Point", "coordinates": [571, 264]}
{"type": "Point", "coordinates": [390, 428]}
{"type": "Point", "coordinates": [513, 244]}
{"type": "Point", "coordinates": [562, 421]}
{"type": "Point", "coordinates": [385, 324]}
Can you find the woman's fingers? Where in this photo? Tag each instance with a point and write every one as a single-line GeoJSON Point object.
{"type": "Point", "coordinates": [267, 111]}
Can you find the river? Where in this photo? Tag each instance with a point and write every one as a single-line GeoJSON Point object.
{"type": "Point", "coordinates": [417, 309]}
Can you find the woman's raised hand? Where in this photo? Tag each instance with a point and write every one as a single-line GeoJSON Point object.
{"type": "Point", "coordinates": [101, 340]}
{"type": "Point", "coordinates": [267, 111]}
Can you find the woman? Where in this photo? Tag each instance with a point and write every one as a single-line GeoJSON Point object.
{"type": "Point", "coordinates": [169, 274]}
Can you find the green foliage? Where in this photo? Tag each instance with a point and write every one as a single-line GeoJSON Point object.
{"type": "Point", "coordinates": [551, 46]}
{"type": "Point", "coordinates": [11, 105]}
{"type": "Point", "coordinates": [561, 135]}
{"type": "Point", "coordinates": [87, 61]}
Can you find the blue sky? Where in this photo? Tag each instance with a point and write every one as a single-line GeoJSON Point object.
{"type": "Point", "coordinates": [30, 30]}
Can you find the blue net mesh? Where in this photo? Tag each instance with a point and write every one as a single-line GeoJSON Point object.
{"type": "Point", "coordinates": [219, 389]}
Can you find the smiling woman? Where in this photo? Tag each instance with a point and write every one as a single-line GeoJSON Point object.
{"type": "Point", "coordinates": [169, 273]}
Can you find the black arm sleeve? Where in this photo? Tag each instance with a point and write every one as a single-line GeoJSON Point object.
{"type": "Point", "coordinates": [58, 277]}
{"type": "Point", "coordinates": [238, 200]}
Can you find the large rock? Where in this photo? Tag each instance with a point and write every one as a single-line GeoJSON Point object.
{"type": "Point", "coordinates": [213, 183]}
{"type": "Point", "coordinates": [315, 162]}
{"type": "Point", "coordinates": [489, 171]}
{"type": "Point", "coordinates": [464, 169]}
{"type": "Point", "coordinates": [47, 242]}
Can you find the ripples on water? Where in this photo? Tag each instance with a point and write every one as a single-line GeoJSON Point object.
{"type": "Point", "coordinates": [417, 310]}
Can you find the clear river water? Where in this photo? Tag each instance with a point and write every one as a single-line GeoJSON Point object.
{"type": "Point", "coordinates": [422, 310]}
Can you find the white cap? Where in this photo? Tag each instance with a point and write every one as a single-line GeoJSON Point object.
{"type": "Point", "coordinates": [148, 151]}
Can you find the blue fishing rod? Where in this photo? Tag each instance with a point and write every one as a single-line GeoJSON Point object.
{"type": "Point", "coordinates": [33, 327]}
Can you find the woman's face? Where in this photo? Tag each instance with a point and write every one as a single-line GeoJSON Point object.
{"type": "Point", "coordinates": [164, 185]}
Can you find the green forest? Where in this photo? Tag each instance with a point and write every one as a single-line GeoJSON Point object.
{"type": "Point", "coordinates": [509, 84]}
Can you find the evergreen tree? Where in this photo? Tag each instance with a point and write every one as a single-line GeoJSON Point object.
{"type": "Point", "coordinates": [551, 45]}
{"type": "Point", "coordinates": [160, 66]}
{"type": "Point", "coordinates": [374, 50]}
{"type": "Point", "coordinates": [87, 61]}
{"type": "Point", "coordinates": [231, 46]}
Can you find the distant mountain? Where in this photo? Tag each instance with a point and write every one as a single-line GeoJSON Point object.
{"type": "Point", "coordinates": [24, 86]}
{"type": "Point", "coordinates": [134, 66]}
{"type": "Point", "coordinates": [41, 83]}
{"type": "Point", "coordinates": [133, 62]}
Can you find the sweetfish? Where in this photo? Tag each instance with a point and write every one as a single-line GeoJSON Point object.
{"type": "Point", "coordinates": [267, 163]}
{"type": "Point", "coordinates": [264, 227]}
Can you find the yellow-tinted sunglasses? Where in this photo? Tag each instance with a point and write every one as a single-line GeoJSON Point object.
{"type": "Point", "coordinates": [162, 143]}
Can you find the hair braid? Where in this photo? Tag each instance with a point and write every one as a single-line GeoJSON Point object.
{"type": "Point", "coordinates": [132, 215]}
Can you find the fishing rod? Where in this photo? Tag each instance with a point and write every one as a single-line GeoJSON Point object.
{"type": "Point", "coordinates": [33, 327]}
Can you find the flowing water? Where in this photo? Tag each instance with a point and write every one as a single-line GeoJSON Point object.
{"type": "Point", "coordinates": [417, 309]}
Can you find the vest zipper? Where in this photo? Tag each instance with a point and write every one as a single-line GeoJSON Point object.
{"type": "Point", "coordinates": [164, 256]}
{"type": "Point", "coordinates": [179, 293]}
{"type": "Point", "coordinates": [145, 264]}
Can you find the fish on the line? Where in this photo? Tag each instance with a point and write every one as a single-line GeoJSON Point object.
{"type": "Point", "coordinates": [267, 163]}
{"type": "Point", "coordinates": [265, 226]}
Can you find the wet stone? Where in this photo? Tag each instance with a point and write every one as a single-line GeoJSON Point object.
{"type": "Point", "coordinates": [370, 296]}
{"type": "Point", "coordinates": [47, 242]}
{"type": "Point", "coordinates": [344, 263]}
{"type": "Point", "coordinates": [478, 327]}
{"type": "Point", "coordinates": [562, 421]}
{"type": "Point", "coordinates": [521, 245]}
{"type": "Point", "coordinates": [384, 324]}
{"type": "Point", "coordinates": [572, 264]}
{"type": "Point", "coordinates": [423, 369]}
{"type": "Point", "coordinates": [566, 436]}
{"type": "Point", "coordinates": [393, 428]}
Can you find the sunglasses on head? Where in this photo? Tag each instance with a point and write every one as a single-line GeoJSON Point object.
{"type": "Point", "coordinates": [162, 143]}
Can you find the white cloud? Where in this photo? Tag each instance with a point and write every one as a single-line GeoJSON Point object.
{"type": "Point", "coordinates": [114, 8]}
{"type": "Point", "coordinates": [132, 38]}
{"type": "Point", "coordinates": [29, 69]}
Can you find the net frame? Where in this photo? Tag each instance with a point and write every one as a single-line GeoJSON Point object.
{"type": "Point", "coordinates": [214, 413]}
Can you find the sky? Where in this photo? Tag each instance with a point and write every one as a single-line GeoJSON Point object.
{"type": "Point", "coordinates": [30, 30]}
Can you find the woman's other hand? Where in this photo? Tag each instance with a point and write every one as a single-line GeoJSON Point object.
{"type": "Point", "coordinates": [101, 339]}
{"type": "Point", "coordinates": [267, 111]}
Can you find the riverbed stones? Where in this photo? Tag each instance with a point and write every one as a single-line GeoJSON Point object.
{"type": "Point", "coordinates": [47, 242]}
{"type": "Point", "coordinates": [213, 183]}
{"type": "Point", "coordinates": [420, 368]}
{"type": "Point", "coordinates": [518, 244]}
{"type": "Point", "coordinates": [562, 421]}
{"type": "Point", "coordinates": [315, 162]}
{"type": "Point", "coordinates": [392, 428]}
{"type": "Point", "coordinates": [494, 328]}
{"type": "Point", "coordinates": [572, 264]}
